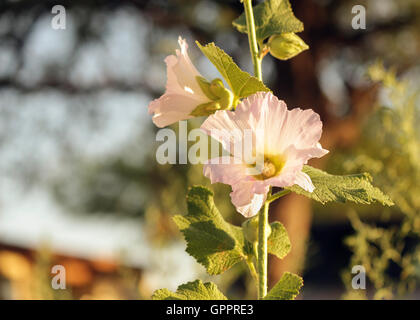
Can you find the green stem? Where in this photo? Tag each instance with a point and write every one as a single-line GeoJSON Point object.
{"type": "Point", "coordinates": [277, 195]}
{"type": "Point", "coordinates": [261, 255]}
{"type": "Point", "coordinates": [262, 251]}
{"type": "Point", "coordinates": [252, 270]}
{"type": "Point", "coordinates": [252, 37]}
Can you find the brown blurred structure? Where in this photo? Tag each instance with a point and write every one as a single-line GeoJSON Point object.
{"type": "Point", "coordinates": [26, 274]}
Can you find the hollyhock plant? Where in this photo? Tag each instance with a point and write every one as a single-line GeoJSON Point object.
{"type": "Point", "coordinates": [290, 140]}
{"type": "Point", "coordinates": [267, 145]}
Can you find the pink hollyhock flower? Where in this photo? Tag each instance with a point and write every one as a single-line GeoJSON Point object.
{"type": "Point", "coordinates": [290, 139]}
{"type": "Point", "coordinates": [183, 93]}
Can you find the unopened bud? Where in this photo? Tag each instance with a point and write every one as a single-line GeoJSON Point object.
{"type": "Point", "coordinates": [206, 88]}
{"type": "Point", "coordinates": [221, 98]}
{"type": "Point", "coordinates": [286, 45]}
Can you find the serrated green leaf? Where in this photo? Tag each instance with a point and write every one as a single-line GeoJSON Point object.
{"type": "Point", "coordinates": [241, 83]}
{"type": "Point", "coordinates": [213, 242]}
{"type": "Point", "coordinates": [196, 290]}
{"type": "Point", "coordinates": [278, 242]}
{"type": "Point", "coordinates": [271, 17]}
{"type": "Point", "coordinates": [286, 289]}
{"type": "Point", "coordinates": [356, 188]}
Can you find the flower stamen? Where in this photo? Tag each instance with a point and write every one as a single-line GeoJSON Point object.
{"type": "Point", "coordinates": [272, 167]}
{"type": "Point", "coordinates": [268, 170]}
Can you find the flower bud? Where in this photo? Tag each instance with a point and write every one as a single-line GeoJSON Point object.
{"type": "Point", "coordinates": [286, 45]}
{"type": "Point", "coordinates": [225, 96]}
{"type": "Point", "coordinates": [215, 90]}
{"type": "Point", "coordinates": [205, 109]}
{"type": "Point", "coordinates": [206, 87]}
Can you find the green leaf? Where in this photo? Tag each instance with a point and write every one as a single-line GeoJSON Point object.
{"type": "Point", "coordinates": [356, 188]}
{"type": "Point", "coordinates": [195, 290]}
{"type": "Point", "coordinates": [241, 82]}
{"type": "Point", "coordinates": [278, 242]}
{"type": "Point", "coordinates": [213, 242]}
{"type": "Point", "coordinates": [271, 17]}
{"type": "Point", "coordinates": [286, 289]}
{"type": "Point", "coordinates": [286, 46]}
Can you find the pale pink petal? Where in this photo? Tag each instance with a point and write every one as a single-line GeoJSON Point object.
{"type": "Point", "coordinates": [185, 64]}
{"type": "Point", "coordinates": [244, 196]}
{"type": "Point", "coordinates": [251, 109]}
{"type": "Point", "coordinates": [246, 201]}
{"type": "Point", "coordinates": [264, 113]}
{"type": "Point", "coordinates": [260, 186]}
{"type": "Point", "coordinates": [225, 170]}
{"type": "Point", "coordinates": [171, 108]}
{"type": "Point", "coordinates": [304, 181]}
{"type": "Point", "coordinates": [301, 128]}
{"type": "Point", "coordinates": [294, 164]}
{"type": "Point", "coordinates": [183, 94]}
{"type": "Point", "coordinates": [172, 84]}
{"type": "Point", "coordinates": [285, 179]}
{"type": "Point", "coordinates": [306, 127]}
{"type": "Point", "coordinates": [224, 127]}
{"type": "Point", "coordinates": [299, 157]}
{"type": "Point", "coordinates": [181, 73]}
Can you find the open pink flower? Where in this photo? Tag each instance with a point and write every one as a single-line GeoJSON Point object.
{"type": "Point", "coordinates": [290, 139]}
{"type": "Point", "coordinates": [183, 93]}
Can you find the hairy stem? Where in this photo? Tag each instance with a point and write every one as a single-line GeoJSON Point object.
{"type": "Point", "coordinates": [262, 251]}
{"type": "Point", "coordinates": [252, 37]}
{"type": "Point", "coordinates": [261, 254]}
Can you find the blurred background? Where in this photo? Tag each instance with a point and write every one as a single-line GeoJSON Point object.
{"type": "Point", "coordinates": [80, 185]}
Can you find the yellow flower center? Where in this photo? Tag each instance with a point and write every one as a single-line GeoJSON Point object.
{"type": "Point", "coordinates": [273, 165]}
{"type": "Point", "coordinates": [268, 170]}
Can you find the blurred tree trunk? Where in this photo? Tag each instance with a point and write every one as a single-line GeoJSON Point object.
{"type": "Point", "coordinates": [294, 211]}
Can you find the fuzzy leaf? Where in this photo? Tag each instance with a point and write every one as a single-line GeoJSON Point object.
{"type": "Point", "coordinates": [278, 242]}
{"type": "Point", "coordinates": [241, 82]}
{"type": "Point", "coordinates": [271, 17]}
{"type": "Point", "coordinates": [213, 242]}
{"type": "Point", "coordinates": [356, 188]}
{"type": "Point", "coordinates": [286, 289]}
{"type": "Point", "coordinates": [195, 290]}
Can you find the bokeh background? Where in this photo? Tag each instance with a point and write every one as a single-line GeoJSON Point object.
{"type": "Point", "coordinates": [80, 185]}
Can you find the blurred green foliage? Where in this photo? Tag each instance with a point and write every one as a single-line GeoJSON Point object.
{"type": "Point", "coordinates": [390, 151]}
